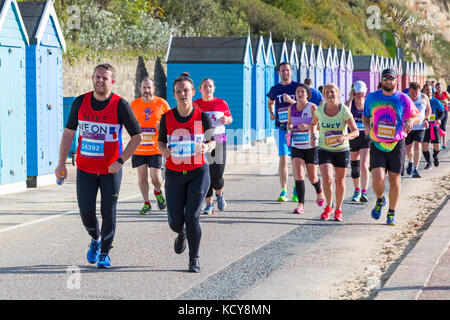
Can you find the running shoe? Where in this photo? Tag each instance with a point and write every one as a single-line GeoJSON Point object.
{"type": "Point", "coordinates": [180, 243]}
{"type": "Point", "coordinates": [300, 209]}
{"type": "Point", "coordinates": [104, 262]}
{"type": "Point", "coordinates": [416, 174]}
{"type": "Point", "coordinates": [160, 201]}
{"type": "Point", "coordinates": [194, 265]}
{"type": "Point", "coordinates": [145, 210]}
{"type": "Point", "coordinates": [391, 219]}
{"type": "Point", "coordinates": [326, 213]}
{"type": "Point", "coordinates": [209, 209]}
{"type": "Point", "coordinates": [338, 215]}
{"type": "Point", "coordinates": [444, 147]}
{"type": "Point", "coordinates": [283, 196]}
{"type": "Point", "coordinates": [428, 166]}
{"type": "Point", "coordinates": [409, 169]}
{"type": "Point", "coordinates": [320, 199]}
{"type": "Point", "coordinates": [94, 251]}
{"type": "Point", "coordinates": [294, 195]}
{"type": "Point", "coordinates": [364, 197]}
{"type": "Point", "coordinates": [221, 203]}
{"type": "Point", "coordinates": [436, 161]}
{"type": "Point", "coordinates": [376, 211]}
{"type": "Point", "coordinates": [356, 196]}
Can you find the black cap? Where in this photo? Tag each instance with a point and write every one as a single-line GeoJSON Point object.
{"type": "Point", "coordinates": [389, 73]}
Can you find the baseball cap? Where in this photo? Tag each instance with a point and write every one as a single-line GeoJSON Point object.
{"type": "Point", "coordinates": [389, 73]}
{"type": "Point", "coordinates": [360, 86]}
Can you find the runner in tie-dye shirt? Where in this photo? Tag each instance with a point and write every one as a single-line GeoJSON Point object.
{"type": "Point", "coordinates": [388, 117]}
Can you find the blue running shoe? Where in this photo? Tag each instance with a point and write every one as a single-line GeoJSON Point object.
{"type": "Point", "coordinates": [283, 196]}
{"type": "Point", "coordinates": [391, 219]}
{"type": "Point", "coordinates": [94, 251]}
{"type": "Point", "coordinates": [209, 209]}
{"type": "Point", "coordinates": [221, 203]}
{"type": "Point", "coordinates": [376, 212]}
{"type": "Point", "coordinates": [104, 262]}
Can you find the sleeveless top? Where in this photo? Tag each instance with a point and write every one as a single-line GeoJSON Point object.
{"type": "Point", "coordinates": [301, 139]}
{"type": "Point", "coordinates": [357, 115]}
{"type": "Point", "coordinates": [421, 106]}
{"type": "Point", "coordinates": [100, 136]}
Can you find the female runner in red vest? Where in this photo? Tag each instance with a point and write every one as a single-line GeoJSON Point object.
{"type": "Point", "coordinates": [184, 137]}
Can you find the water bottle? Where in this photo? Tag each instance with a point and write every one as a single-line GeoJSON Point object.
{"type": "Point", "coordinates": [63, 176]}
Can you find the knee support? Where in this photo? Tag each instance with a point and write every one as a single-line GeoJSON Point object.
{"type": "Point", "coordinates": [355, 165]}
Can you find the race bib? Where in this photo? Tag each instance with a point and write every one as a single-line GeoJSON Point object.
{"type": "Point", "coordinates": [93, 145]}
{"type": "Point", "coordinates": [360, 125]}
{"type": "Point", "coordinates": [386, 130]}
{"type": "Point", "coordinates": [184, 145]}
{"type": "Point", "coordinates": [432, 117]}
{"type": "Point", "coordinates": [300, 138]}
{"type": "Point", "coordinates": [331, 138]}
{"type": "Point", "coordinates": [148, 136]}
{"type": "Point", "coordinates": [283, 115]}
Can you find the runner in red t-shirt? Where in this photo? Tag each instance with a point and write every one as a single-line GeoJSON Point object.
{"type": "Point", "coordinates": [219, 113]}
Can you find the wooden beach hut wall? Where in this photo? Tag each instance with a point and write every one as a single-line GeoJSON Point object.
{"type": "Point", "coordinates": [271, 63]}
{"type": "Point", "coordinates": [293, 59]}
{"type": "Point", "coordinates": [335, 75]}
{"type": "Point", "coordinates": [303, 62]}
{"type": "Point", "coordinates": [406, 74]}
{"type": "Point", "coordinates": [281, 55]}
{"type": "Point", "coordinates": [228, 61]}
{"type": "Point", "coordinates": [349, 74]}
{"type": "Point", "coordinates": [258, 89]}
{"type": "Point", "coordinates": [44, 73]}
{"type": "Point", "coordinates": [365, 70]}
{"type": "Point", "coordinates": [400, 74]}
{"type": "Point", "coordinates": [328, 70]}
{"type": "Point", "coordinates": [312, 64]}
{"type": "Point", "coordinates": [320, 66]}
{"type": "Point", "coordinates": [342, 72]}
{"type": "Point", "coordinates": [13, 42]}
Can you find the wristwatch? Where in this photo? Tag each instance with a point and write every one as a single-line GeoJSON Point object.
{"type": "Point", "coordinates": [120, 160]}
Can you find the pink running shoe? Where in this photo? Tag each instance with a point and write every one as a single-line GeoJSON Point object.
{"type": "Point", "coordinates": [338, 215]}
{"type": "Point", "coordinates": [320, 199]}
{"type": "Point", "coordinates": [326, 213]}
{"type": "Point", "coordinates": [299, 209]}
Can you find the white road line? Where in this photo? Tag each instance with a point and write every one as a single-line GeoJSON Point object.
{"type": "Point", "coordinates": [52, 217]}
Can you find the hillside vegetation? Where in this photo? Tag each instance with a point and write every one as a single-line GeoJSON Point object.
{"type": "Point", "coordinates": [143, 27]}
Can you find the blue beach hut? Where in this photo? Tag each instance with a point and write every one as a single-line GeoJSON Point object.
{"type": "Point", "coordinates": [281, 55]}
{"type": "Point", "coordinates": [342, 72]}
{"type": "Point", "coordinates": [228, 61]}
{"type": "Point", "coordinates": [303, 62]}
{"type": "Point", "coordinates": [45, 114]}
{"type": "Point", "coordinates": [293, 59]}
{"type": "Point", "coordinates": [271, 63]}
{"type": "Point", "coordinates": [312, 64]}
{"type": "Point", "coordinates": [258, 89]}
{"type": "Point", "coordinates": [13, 42]}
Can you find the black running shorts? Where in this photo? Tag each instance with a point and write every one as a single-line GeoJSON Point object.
{"type": "Point", "coordinates": [360, 142]}
{"type": "Point", "coordinates": [339, 159]}
{"type": "Point", "coordinates": [392, 161]}
{"type": "Point", "coordinates": [308, 155]}
{"type": "Point", "coordinates": [414, 135]}
{"type": "Point", "coordinates": [153, 161]}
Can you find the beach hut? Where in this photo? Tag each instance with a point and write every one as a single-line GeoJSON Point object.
{"type": "Point", "coordinates": [228, 61]}
{"type": "Point", "coordinates": [349, 74]}
{"type": "Point", "coordinates": [378, 70]}
{"type": "Point", "coordinates": [335, 75]}
{"type": "Point", "coordinates": [400, 74]}
{"type": "Point", "coordinates": [293, 59]}
{"type": "Point", "coordinates": [258, 89]}
{"type": "Point", "coordinates": [303, 62]}
{"type": "Point", "coordinates": [281, 54]}
{"type": "Point", "coordinates": [271, 63]}
{"type": "Point", "coordinates": [329, 66]}
{"type": "Point", "coordinates": [342, 72]}
{"type": "Point", "coordinates": [13, 148]}
{"type": "Point", "coordinates": [44, 73]}
{"type": "Point", "coordinates": [365, 70]}
{"type": "Point", "coordinates": [312, 64]}
{"type": "Point", "coordinates": [406, 74]}
{"type": "Point", "coordinates": [320, 66]}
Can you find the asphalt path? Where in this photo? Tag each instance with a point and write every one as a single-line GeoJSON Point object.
{"type": "Point", "coordinates": [255, 249]}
